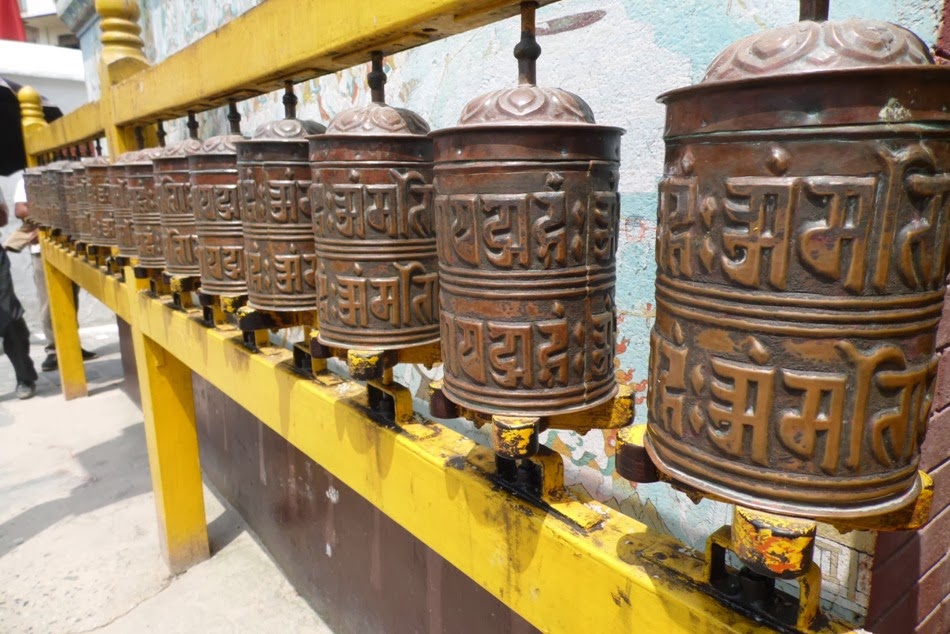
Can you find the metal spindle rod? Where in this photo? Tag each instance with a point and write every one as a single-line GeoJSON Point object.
{"type": "Point", "coordinates": [527, 50]}
{"type": "Point", "coordinates": [192, 125]}
{"type": "Point", "coordinates": [815, 10]}
{"type": "Point", "coordinates": [290, 100]}
{"type": "Point", "coordinates": [377, 78]}
{"type": "Point", "coordinates": [234, 117]}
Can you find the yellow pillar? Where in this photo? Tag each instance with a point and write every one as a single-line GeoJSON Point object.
{"type": "Point", "coordinates": [172, 438]}
{"type": "Point", "coordinates": [62, 310]}
{"type": "Point", "coordinates": [122, 56]}
{"type": "Point", "coordinates": [31, 115]}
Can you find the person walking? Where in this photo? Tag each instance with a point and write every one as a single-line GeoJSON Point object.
{"type": "Point", "coordinates": [13, 329]}
{"type": "Point", "coordinates": [22, 211]}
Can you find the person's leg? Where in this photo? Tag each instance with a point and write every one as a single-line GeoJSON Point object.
{"type": "Point", "coordinates": [39, 278]}
{"type": "Point", "coordinates": [16, 344]}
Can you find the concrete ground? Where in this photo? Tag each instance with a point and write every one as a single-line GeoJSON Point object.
{"type": "Point", "coordinates": [78, 533]}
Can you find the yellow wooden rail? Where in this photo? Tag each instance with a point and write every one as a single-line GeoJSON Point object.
{"type": "Point", "coordinates": [554, 574]}
{"type": "Point", "coordinates": [82, 124]}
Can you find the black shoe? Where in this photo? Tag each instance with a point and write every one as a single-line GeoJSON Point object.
{"type": "Point", "coordinates": [49, 363]}
{"type": "Point", "coordinates": [88, 354]}
{"type": "Point", "coordinates": [25, 390]}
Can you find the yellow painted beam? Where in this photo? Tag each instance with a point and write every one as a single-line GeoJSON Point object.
{"type": "Point", "coordinates": [616, 577]}
{"type": "Point", "coordinates": [106, 288]}
{"type": "Point", "coordinates": [82, 124]}
{"type": "Point", "coordinates": [300, 39]}
{"type": "Point", "coordinates": [172, 439]}
{"type": "Point", "coordinates": [62, 308]}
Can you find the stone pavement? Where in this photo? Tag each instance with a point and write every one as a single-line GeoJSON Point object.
{"type": "Point", "coordinates": [79, 550]}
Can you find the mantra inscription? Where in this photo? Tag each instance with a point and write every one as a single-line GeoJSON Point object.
{"type": "Point", "coordinates": [122, 212]}
{"type": "Point", "coordinates": [101, 217]}
{"type": "Point", "coordinates": [216, 203]}
{"type": "Point", "coordinates": [146, 220]}
{"type": "Point", "coordinates": [377, 273]}
{"type": "Point", "coordinates": [527, 276]}
{"type": "Point", "coordinates": [278, 236]}
{"type": "Point", "coordinates": [792, 360]}
{"type": "Point", "coordinates": [179, 234]}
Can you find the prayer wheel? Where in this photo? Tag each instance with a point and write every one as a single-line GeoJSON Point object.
{"type": "Point", "coordinates": [526, 216]}
{"type": "Point", "coordinates": [274, 174]}
{"type": "Point", "coordinates": [377, 265]}
{"type": "Point", "coordinates": [122, 204]}
{"type": "Point", "coordinates": [214, 193]}
{"type": "Point", "coordinates": [801, 251]}
{"type": "Point", "coordinates": [54, 208]}
{"type": "Point", "coordinates": [75, 193]}
{"type": "Point", "coordinates": [101, 227]}
{"type": "Point", "coordinates": [143, 204]}
{"type": "Point", "coordinates": [173, 191]}
{"type": "Point", "coordinates": [32, 186]}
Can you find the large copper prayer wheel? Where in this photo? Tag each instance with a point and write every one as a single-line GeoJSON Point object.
{"type": "Point", "coordinates": [173, 191]}
{"type": "Point", "coordinates": [526, 215]}
{"type": "Point", "coordinates": [99, 201]}
{"type": "Point", "coordinates": [802, 247]}
{"type": "Point", "coordinates": [377, 265]}
{"type": "Point", "coordinates": [214, 193]}
{"type": "Point", "coordinates": [122, 204]}
{"type": "Point", "coordinates": [274, 174]}
{"type": "Point", "coordinates": [143, 203]}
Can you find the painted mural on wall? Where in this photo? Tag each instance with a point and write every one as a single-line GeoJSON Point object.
{"type": "Point", "coordinates": [618, 55]}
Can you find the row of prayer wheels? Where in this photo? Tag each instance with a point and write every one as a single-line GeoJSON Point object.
{"type": "Point", "coordinates": [802, 249]}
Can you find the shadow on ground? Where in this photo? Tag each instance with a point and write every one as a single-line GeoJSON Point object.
{"type": "Point", "coordinates": [118, 469]}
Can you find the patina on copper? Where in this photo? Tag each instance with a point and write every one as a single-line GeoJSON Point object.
{"type": "Point", "coordinates": [802, 246]}
{"type": "Point", "coordinates": [33, 186]}
{"type": "Point", "coordinates": [122, 204]}
{"type": "Point", "coordinates": [274, 174]}
{"type": "Point", "coordinates": [143, 203]}
{"type": "Point", "coordinates": [101, 221]}
{"type": "Point", "coordinates": [173, 190]}
{"type": "Point", "coordinates": [527, 215]}
{"type": "Point", "coordinates": [377, 265]}
{"type": "Point", "coordinates": [73, 189]}
{"type": "Point", "coordinates": [54, 196]}
{"type": "Point", "coordinates": [214, 195]}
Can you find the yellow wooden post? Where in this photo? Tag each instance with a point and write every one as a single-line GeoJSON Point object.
{"type": "Point", "coordinates": [31, 115]}
{"type": "Point", "coordinates": [165, 382]}
{"type": "Point", "coordinates": [172, 439]}
{"type": "Point", "coordinates": [62, 310]}
{"type": "Point", "coordinates": [122, 56]}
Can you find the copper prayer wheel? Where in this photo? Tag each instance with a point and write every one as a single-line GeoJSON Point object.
{"type": "Point", "coordinates": [99, 201]}
{"type": "Point", "coordinates": [122, 204]}
{"type": "Point", "coordinates": [54, 198]}
{"type": "Point", "coordinates": [802, 246]}
{"type": "Point", "coordinates": [527, 214]}
{"type": "Point", "coordinates": [32, 186]}
{"type": "Point", "coordinates": [274, 174]}
{"type": "Point", "coordinates": [173, 191]}
{"type": "Point", "coordinates": [75, 192]}
{"type": "Point", "coordinates": [60, 220]}
{"type": "Point", "coordinates": [377, 265]}
{"type": "Point", "coordinates": [214, 193]}
{"type": "Point", "coordinates": [143, 204]}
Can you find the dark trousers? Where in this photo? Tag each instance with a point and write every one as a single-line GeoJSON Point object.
{"type": "Point", "coordinates": [16, 345]}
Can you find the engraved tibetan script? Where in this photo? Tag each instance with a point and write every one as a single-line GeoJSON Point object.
{"type": "Point", "coordinates": [546, 230]}
{"type": "Point", "coordinates": [512, 355]}
{"type": "Point", "coordinates": [399, 209]}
